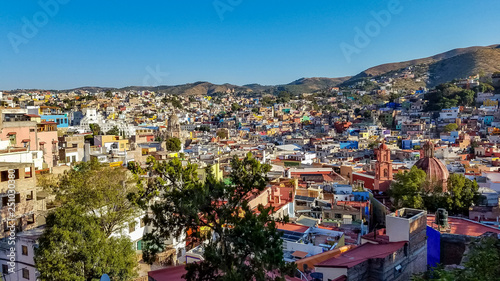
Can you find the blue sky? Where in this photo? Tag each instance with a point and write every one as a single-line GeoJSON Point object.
{"type": "Point", "coordinates": [122, 43]}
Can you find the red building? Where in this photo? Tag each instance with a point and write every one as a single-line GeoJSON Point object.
{"type": "Point", "coordinates": [382, 178]}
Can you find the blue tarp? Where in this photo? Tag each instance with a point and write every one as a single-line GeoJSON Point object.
{"type": "Point", "coordinates": [433, 247]}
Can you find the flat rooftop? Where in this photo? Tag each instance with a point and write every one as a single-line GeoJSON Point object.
{"type": "Point", "coordinates": [462, 226]}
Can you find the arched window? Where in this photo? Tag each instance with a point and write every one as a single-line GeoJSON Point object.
{"type": "Point", "coordinates": [386, 173]}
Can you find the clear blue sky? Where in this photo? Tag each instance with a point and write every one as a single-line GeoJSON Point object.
{"type": "Point", "coordinates": [119, 43]}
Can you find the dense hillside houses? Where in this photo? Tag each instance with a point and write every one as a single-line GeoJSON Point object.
{"type": "Point", "coordinates": [362, 171]}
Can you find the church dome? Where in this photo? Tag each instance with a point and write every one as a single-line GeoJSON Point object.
{"type": "Point", "coordinates": [435, 169]}
{"type": "Point", "coordinates": [173, 120]}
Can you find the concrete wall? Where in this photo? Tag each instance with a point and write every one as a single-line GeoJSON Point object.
{"type": "Point", "coordinates": [331, 273]}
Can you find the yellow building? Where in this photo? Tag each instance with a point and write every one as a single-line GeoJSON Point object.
{"type": "Point", "coordinates": [108, 140]}
{"type": "Point", "coordinates": [364, 135]}
{"type": "Point", "coordinates": [489, 102]}
{"type": "Point", "coordinates": [215, 169]}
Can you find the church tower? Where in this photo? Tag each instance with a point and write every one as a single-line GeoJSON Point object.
{"type": "Point", "coordinates": [383, 168]}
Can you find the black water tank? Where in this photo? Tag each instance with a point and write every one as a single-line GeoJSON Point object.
{"type": "Point", "coordinates": [442, 217]}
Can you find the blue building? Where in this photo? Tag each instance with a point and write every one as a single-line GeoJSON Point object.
{"type": "Point", "coordinates": [487, 120]}
{"type": "Point", "coordinates": [409, 144]}
{"type": "Point", "coordinates": [62, 120]}
{"type": "Point", "coordinates": [348, 144]}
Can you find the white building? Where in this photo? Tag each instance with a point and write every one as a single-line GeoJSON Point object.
{"type": "Point", "coordinates": [24, 265]}
{"type": "Point", "coordinates": [93, 117]}
{"type": "Point", "coordinates": [449, 113]}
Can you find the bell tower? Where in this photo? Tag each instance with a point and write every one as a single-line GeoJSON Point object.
{"type": "Point", "coordinates": [383, 168]}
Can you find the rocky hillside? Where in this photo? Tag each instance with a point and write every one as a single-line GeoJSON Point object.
{"type": "Point", "coordinates": [444, 67]}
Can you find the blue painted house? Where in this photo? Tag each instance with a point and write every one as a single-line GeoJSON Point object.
{"type": "Point", "coordinates": [62, 120]}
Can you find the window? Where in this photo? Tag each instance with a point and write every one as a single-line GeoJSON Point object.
{"type": "Point", "coordinates": [18, 198]}
{"type": "Point", "coordinates": [142, 223]}
{"type": "Point", "coordinates": [31, 219]}
{"type": "Point", "coordinates": [386, 173]}
{"type": "Point", "coordinates": [32, 130]}
{"type": "Point", "coordinates": [338, 216]}
{"type": "Point", "coordinates": [5, 268]}
{"type": "Point", "coordinates": [24, 250]}
{"type": "Point", "coordinates": [73, 158]}
{"type": "Point", "coordinates": [5, 200]}
{"type": "Point", "coordinates": [27, 172]}
{"type": "Point", "coordinates": [12, 139]}
{"type": "Point", "coordinates": [5, 175]}
{"type": "Point", "coordinates": [29, 196]}
{"type": "Point", "coordinates": [131, 227]}
{"type": "Point", "coordinates": [26, 274]}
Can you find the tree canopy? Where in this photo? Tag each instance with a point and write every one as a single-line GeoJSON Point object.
{"type": "Point", "coordinates": [97, 189]}
{"type": "Point", "coordinates": [449, 95]}
{"type": "Point", "coordinates": [114, 131]}
{"type": "Point", "coordinates": [241, 243]}
{"type": "Point", "coordinates": [95, 128]}
{"type": "Point", "coordinates": [450, 127]}
{"type": "Point", "coordinates": [412, 189]}
{"type": "Point", "coordinates": [222, 134]}
{"type": "Point", "coordinates": [173, 144]}
{"type": "Point", "coordinates": [73, 247]}
{"type": "Point", "coordinates": [407, 188]}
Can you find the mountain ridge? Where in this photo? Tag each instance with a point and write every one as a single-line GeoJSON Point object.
{"type": "Point", "coordinates": [440, 68]}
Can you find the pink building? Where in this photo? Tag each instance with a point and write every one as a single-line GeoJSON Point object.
{"type": "Point", "coordinates": [21, 132]}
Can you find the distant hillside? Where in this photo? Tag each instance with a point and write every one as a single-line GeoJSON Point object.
{"type": "Point", "coordinates": [303, 85]}
{"type": "Point", "coordinates": [428, 72]}
{"type": "Point", "coordinates": [444, 67]}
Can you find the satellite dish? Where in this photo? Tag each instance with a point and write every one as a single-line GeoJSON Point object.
{"type": "Point", "coordinates": [105, 277]}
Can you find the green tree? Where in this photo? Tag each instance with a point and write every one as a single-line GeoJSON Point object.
{"type": "Point", "coordinates": [450, 127]}
{"type": "Point", "coordinates": [466, 97]}
{"type": "Point", "coordinates": [204, 128]}
{"type": "Point", "coordinates": [406, 190]}
{"type": "Point", "coordinates": [462, 193]}
{"type": "Point", "coordinates": [108, 94]}
{"type": "Point", "coordinates": [95, 128]}
{"type": "Point", "coordinates": [173, 144]}
{"type": "Point", "coordinates": [255, 110]}
{"type": "Point", "coordinates": [484, 88]}
{"type": "Point", "coordinates": [222, 134]}
{"type": "Point", "coordinates": [366, 100]}
{"type": "Point", "coordinates": [72, 247]}
{"type": "Point", "coordinates": [97, 189]}
{"type": "Point", "coordinates": [246, 244]}
{"type": "Point", "coordinates": [235, 107]}
{"type": "Point", "coordinates": [114, 131]}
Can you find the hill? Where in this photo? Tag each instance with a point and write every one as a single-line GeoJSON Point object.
{"type": "Point", "coordinates": [424, 72]}
{"type": "Point", "coordinates": [444, 67]}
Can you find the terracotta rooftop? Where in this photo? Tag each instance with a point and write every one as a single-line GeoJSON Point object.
{"type": "Point", "coordinates": [466, 227]}
{"type": "Point", "coordinates": [292, 227]}
{"type": "Point", "coordinates": [362, 253]}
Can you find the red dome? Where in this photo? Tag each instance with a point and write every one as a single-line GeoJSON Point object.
{"type": "Point", "coordinates": [435, 169]}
